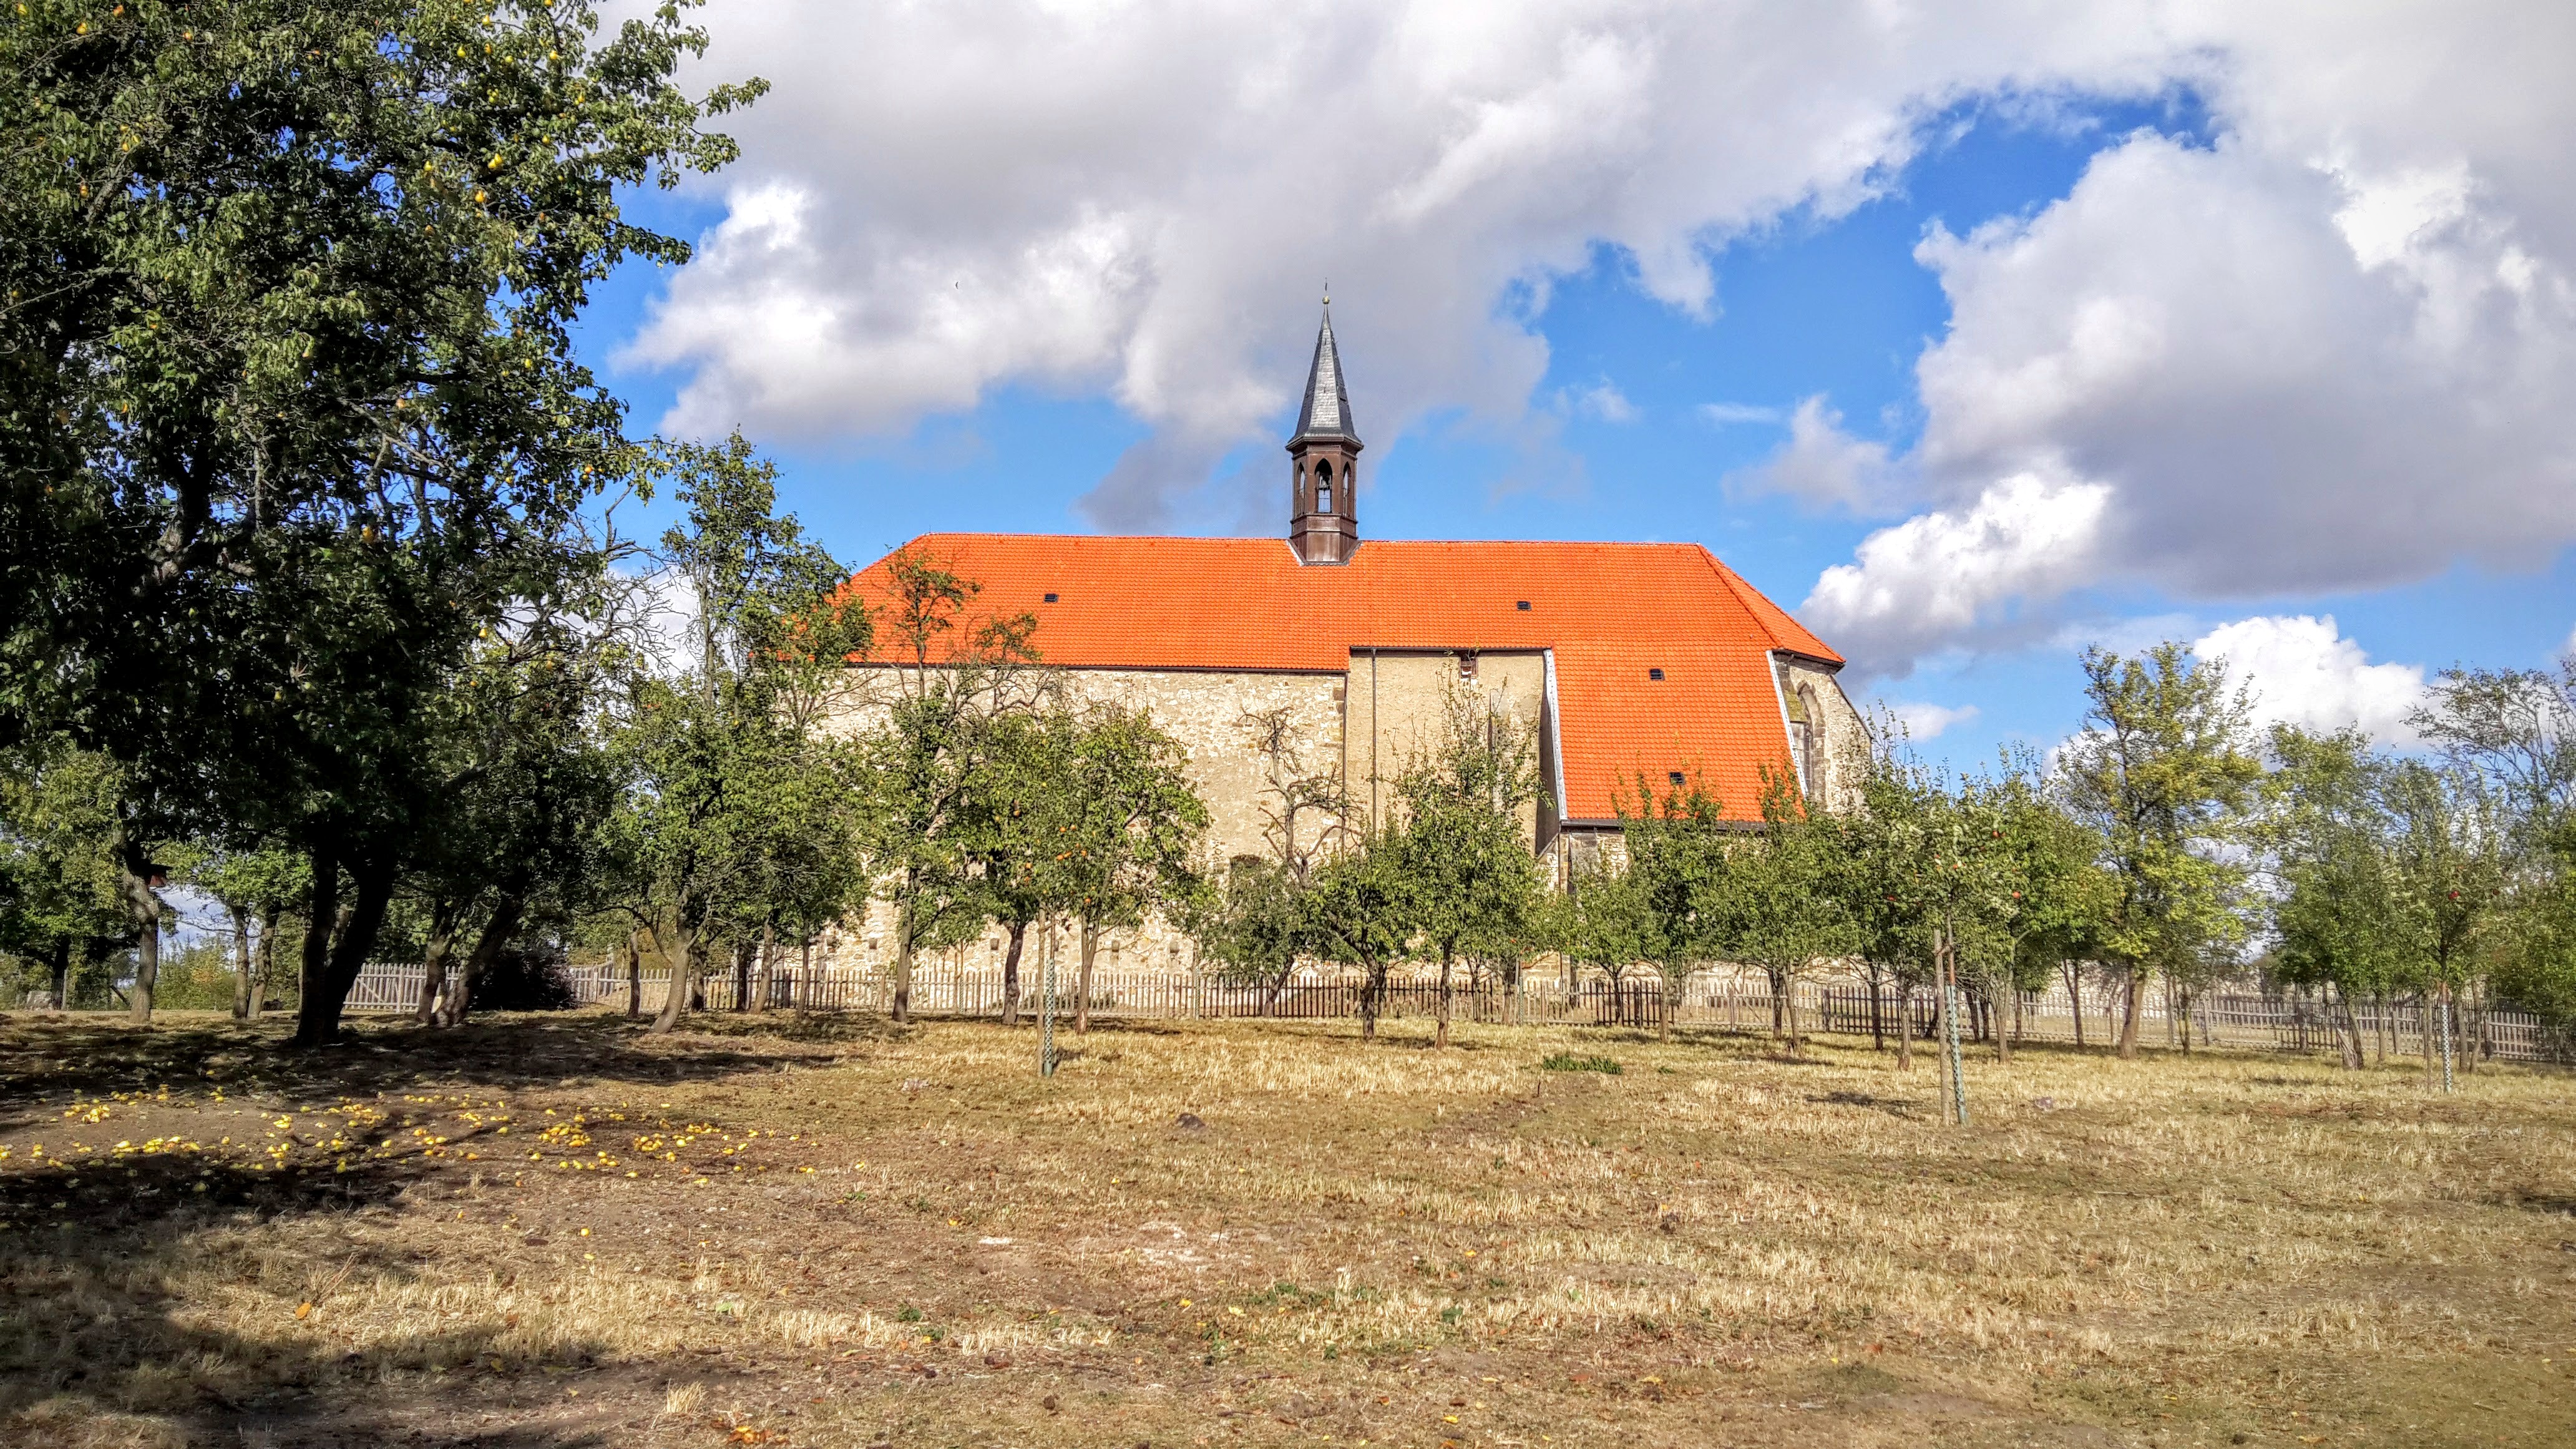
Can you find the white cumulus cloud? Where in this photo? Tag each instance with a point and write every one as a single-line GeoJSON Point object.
{"type": "Point", "coordinates": [1143, 198]}
{"type": "Point", "coordinates": [2329, 349]}
{"type": "Point", "coordinates": [1953, 574]}
{"type": "Point", "coordinates": [2299, 670]}
{"type": "Point", "coordinates": [1929, 721]}
{"type": "Point", "coordinates": [1603, 402]}
{"type": "Point", "coordinates": [1823, 466]}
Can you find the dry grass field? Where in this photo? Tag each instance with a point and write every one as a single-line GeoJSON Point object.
{"type": "Point", "coordinates": [818, 1232]}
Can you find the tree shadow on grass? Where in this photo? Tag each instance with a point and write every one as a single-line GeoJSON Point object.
{"type": "Point", "coordinates": [136, 1305]}
{"type": "Point", "coordinates": [45, 1061]}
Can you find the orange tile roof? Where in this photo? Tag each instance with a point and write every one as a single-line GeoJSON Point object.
{"type": "Point", "coordinates": [1610, 611]}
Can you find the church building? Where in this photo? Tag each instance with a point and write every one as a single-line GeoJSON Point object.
{"type": "Point", "coordinates": [1632, 662]}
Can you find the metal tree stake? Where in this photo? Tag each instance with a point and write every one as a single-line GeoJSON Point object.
{"type": "Point", "coordinates": [1949, 954]}
{"type": "Point", "coordinates": [1046, 1008]}
{"type": "Point", "coordinates": [2446, 1038]}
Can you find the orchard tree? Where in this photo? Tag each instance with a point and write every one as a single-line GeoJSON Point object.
{"type": "Point", "coordinates": [1475, 881]}
{"type": "Point", "coordinates": [731, 798]}
{"type": "Point", "coordinates": [1681, 863]}
{"type": "Point", "coordinates": [289, 408]}
{"type": "Point", "coordinates": [1135, 826]}
{"type": "Point", "coordinates": [257, 889]}
{"type": "Point", "coordinates": [2323, 833]}
{"type": "Point", "coordinates": [1247, 919]}
{"type": "Point", "coordinates": [1598, 920]}
{"type": "Point", "coordinates": [1779, 905]}
{"type": "Point", "coordinates": [1360, 912]}
{"type": "Point", "coordinates": [927, 762]}
{"type": "Point", "coordinates": [61, 888]}
{"type": "Point", "coordinates": [1020, 826]}
{"type": "Point", "coordinates": [2516, 730]}
{"type": "Point", "coordinates": [2160, 771]}
{"type": "Point", "coordinates": [2060, 890]}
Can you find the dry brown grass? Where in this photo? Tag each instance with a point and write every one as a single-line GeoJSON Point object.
{"type": "Point", "coordinates": [829, 1232]}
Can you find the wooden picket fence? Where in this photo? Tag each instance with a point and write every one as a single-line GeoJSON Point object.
{"type": "Point", "coordinates": [2242, 1020]}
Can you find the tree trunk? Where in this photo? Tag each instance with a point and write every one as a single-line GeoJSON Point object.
{"type": "Point", "coordinates": [496, 937]}
{"type": "Point", "coordinates": [314, 971]}
{"type": "Point", "coordinates": [63, 975]}
{"type": "Point", "coordinates": [2424, 1032]}
{"type": "Point", "coordinates": [634, 976]}
{"type": "Point", "coordinates": [1011, 974]}
{"type": "Point", "coordinates": [245, 970]}
{"type": "Point", "coordinates": [1877, 1017]}
{"type": "Point", "coordinates": [1372, 987]}
{"type": "Point", "coordinates": [318, 1015]}
{"type": "Point", "coordinates": [1670, 999]}
{"type": "Point", "coordinates": [1905, 1027]}
{"type": "Point", "coordinates": [767, 969]}
{"type": "Point", "coordinates": [684, 978]}
{"type": "Point", "coordinates": [143, 910]}
{"type": "Point", "coordinates": [1082, 980]}
{"type": "Point", "coordinates": [267, 961]}
{"type": "Point", "coordinates": [2134, 1001]}
{"type": "Point", "coordinates": [2075, 998]}
{"type": "Point", "coordinates": [1776, 1020]}
{"type": "Point", "coordinates": [1440, 1033]}
{"type": "Point", "coordinates": [1787, 995]}
{"type": "Point", "coordinates": [902, 1005]}
{"type": "Point", "coordinates": [433, 959]}
{"type": "Point", "coordinates": [1995, 1017]}
{"type": "Point", "coordinates": [2466, 1044]}
{"type": "Point", "coordinates": [2350, 1037]}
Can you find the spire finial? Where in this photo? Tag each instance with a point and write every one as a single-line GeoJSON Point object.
{"type": "Point", "coordinates": [1328, 293]}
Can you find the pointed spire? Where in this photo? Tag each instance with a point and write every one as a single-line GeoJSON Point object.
{"type": "Point", "coordinates": [1327, 413]}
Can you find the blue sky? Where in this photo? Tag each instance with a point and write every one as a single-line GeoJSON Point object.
{"type": "Point", "coordinates": [1564, 381]}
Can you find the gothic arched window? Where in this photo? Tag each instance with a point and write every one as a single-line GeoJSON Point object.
{"type": "Point", "coordinates": [1324, 487]}
{"type": "Point", "coordinates": [1810, 732]}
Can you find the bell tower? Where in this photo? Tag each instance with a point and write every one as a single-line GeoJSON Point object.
{"type": "Point", "coordinates": [1323, 455]}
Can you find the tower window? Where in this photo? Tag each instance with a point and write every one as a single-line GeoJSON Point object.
{"type": "Point", "coordinates": [1654, 674]}
{"type": "Point", "coordinates": [1324, 498]}
{"type": "Point", "coordinates": [1050, 598]}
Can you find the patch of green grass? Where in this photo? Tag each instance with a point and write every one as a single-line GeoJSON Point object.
{"type": "Point", "coordinates": [1569, 1062]}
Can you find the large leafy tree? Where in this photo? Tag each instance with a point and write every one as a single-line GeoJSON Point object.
{"type": "Point", "coordinates": [289, 410]}
{"type": "Point", "coordinates": [2162, 773]}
